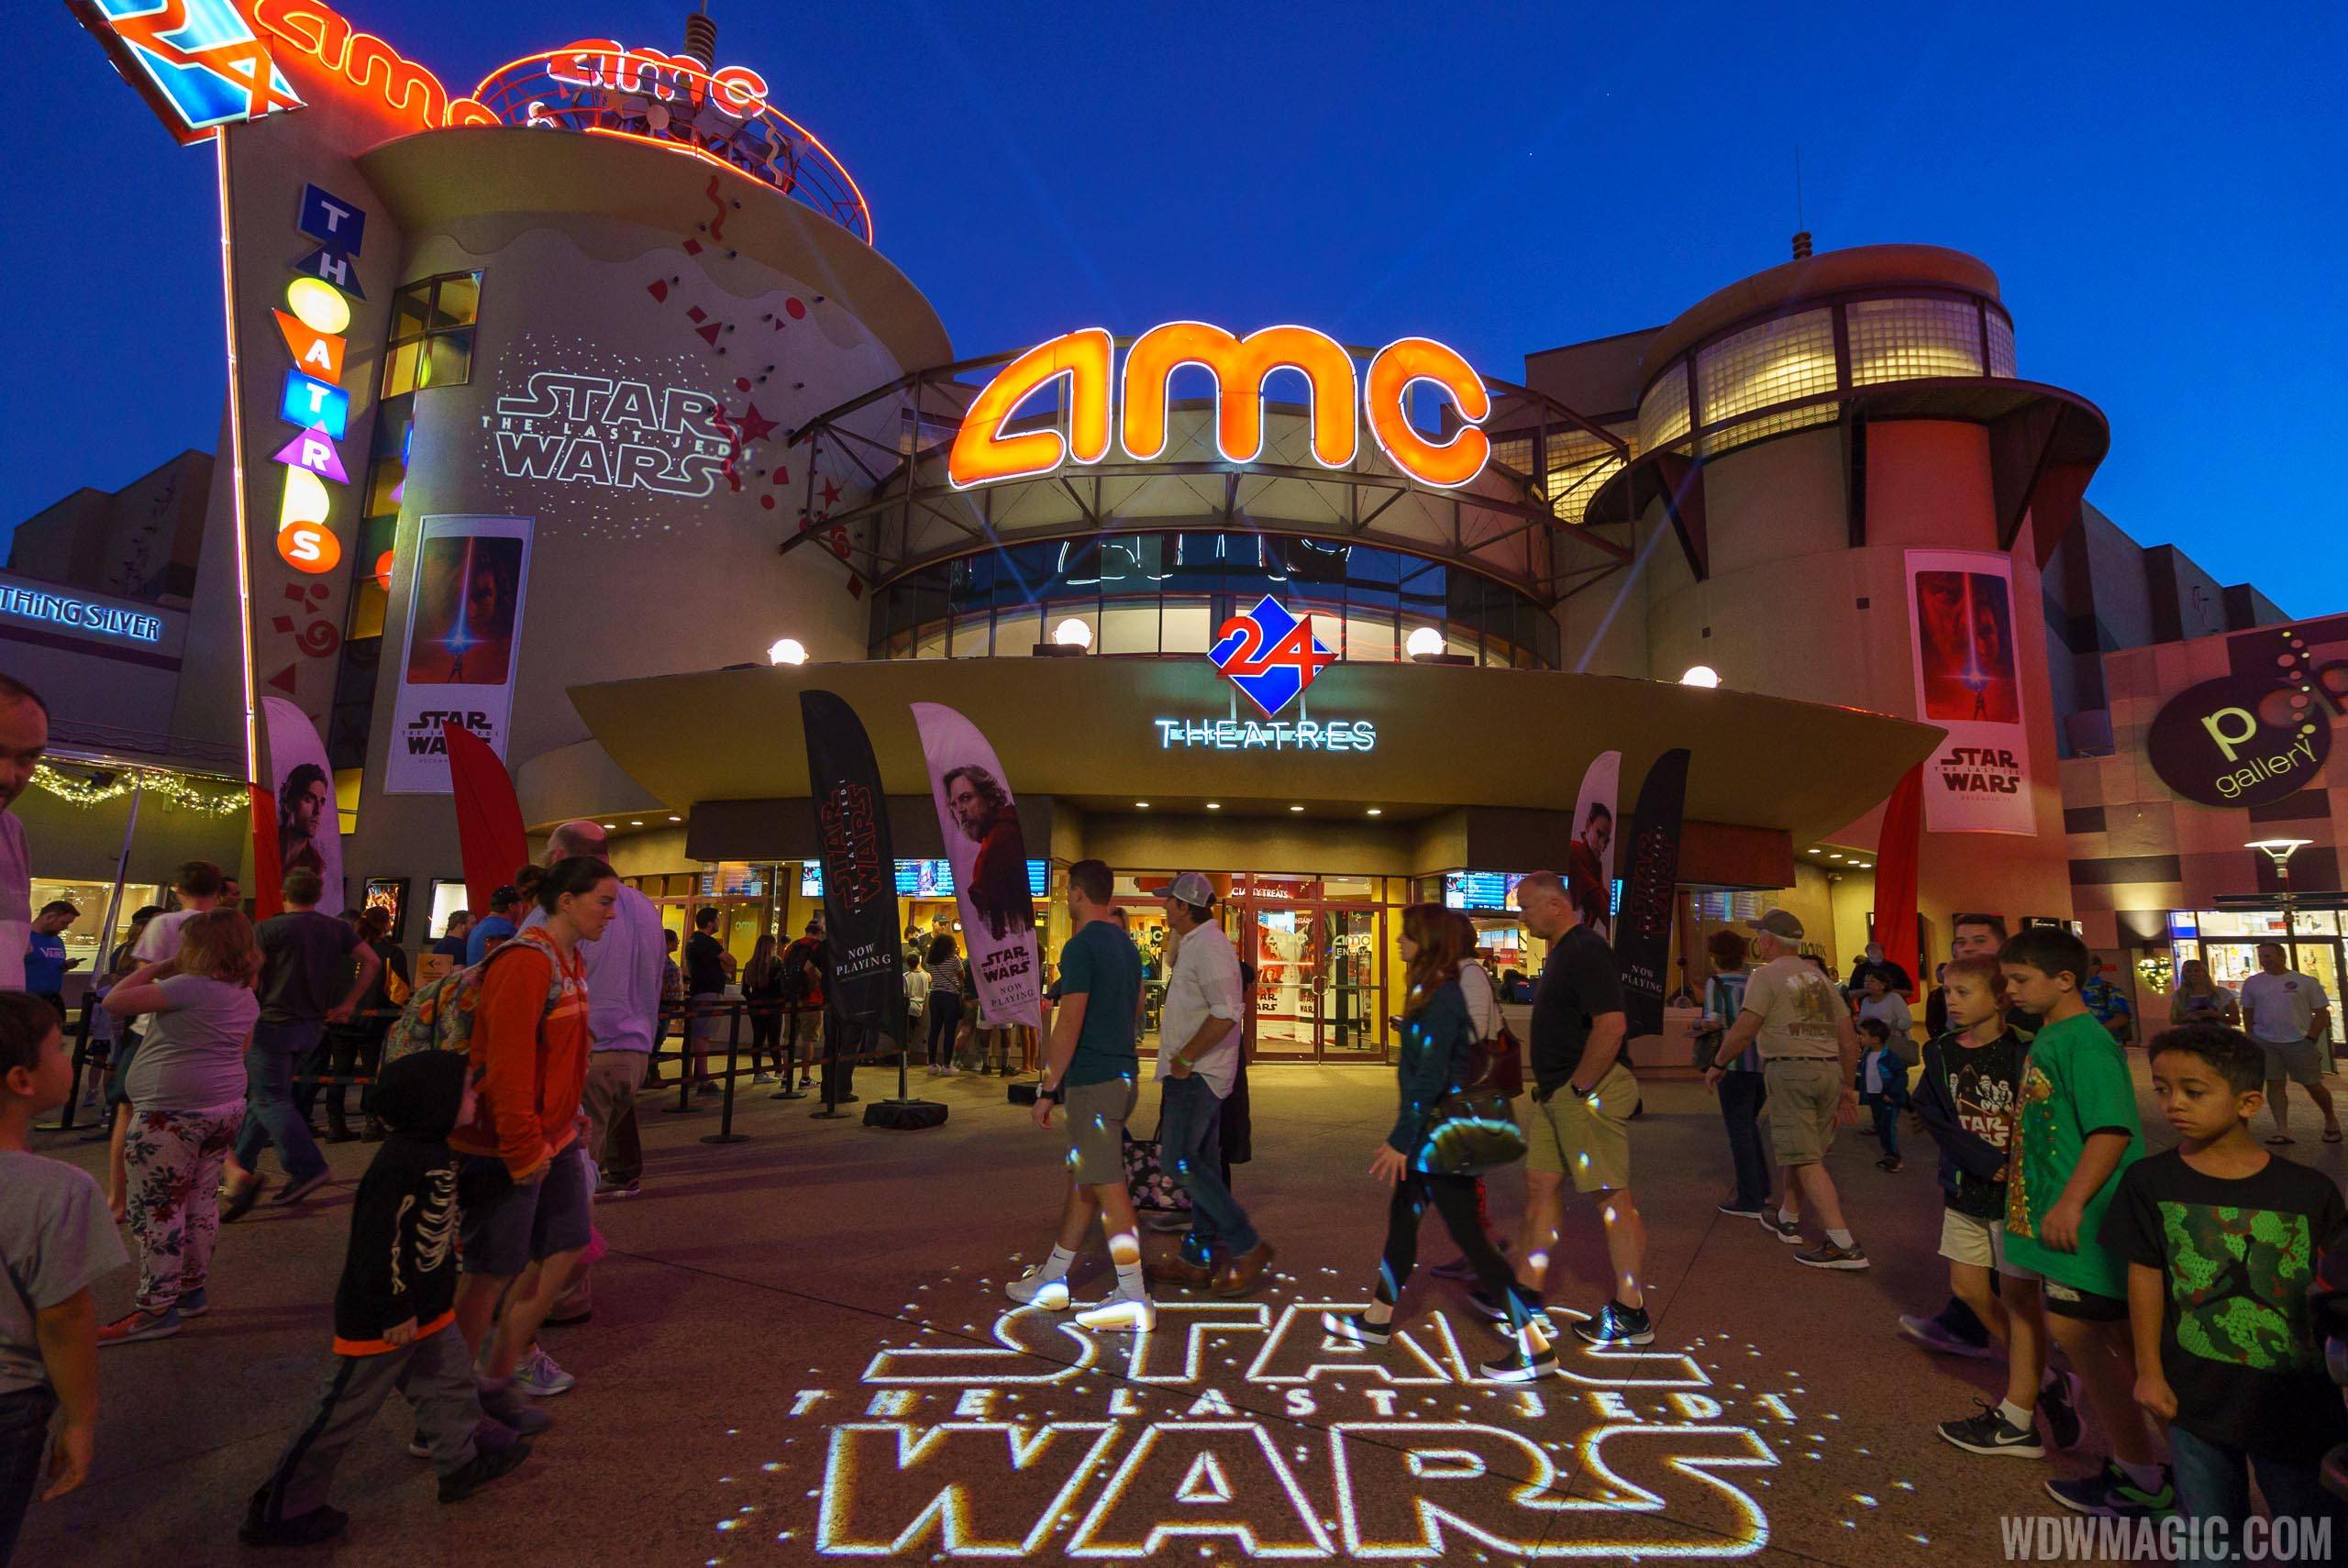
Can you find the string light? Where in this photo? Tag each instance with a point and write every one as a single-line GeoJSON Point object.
{"type": "Point", "coordinates": [172, 788]}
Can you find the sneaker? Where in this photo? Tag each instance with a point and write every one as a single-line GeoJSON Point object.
{"type": "Point", "coordinates": [2059, 1406]}
{"type": "Point", "coordinates": [949, 1071]}
{"type": "Point", "coordinates": [194, 1303]}
{"type": "Point", "coordinates": [1788, 1231]}
{"type": "Point", "coordinates": [1617, 1325]}
{"type": "Point", "coordinates": [1121, 1314]}
{"type": "Point", "coordinates": [295, 1191]}
{"type": "Point", "coordinates": [236, 1200]}
{"type": "Point", "coordinates": [321, 1523]}
{"type": "Point", "coordinates": [1826, 1254]}
{"type": "Point", "coordinates": [1892, 1163]}
{"type": "Point", "coordinates": [486, 1465]}
{"type": "Point", "coordinates": [419, 1446]}
{"type": "Point", "coordinates": [503, 1403]}
{"type": "Point", "coordinates": [1989, 1432]}
{"type": "Point", "coordinates": [1736, 1210]}
{"type": "Point", "coordinates": [539, 1378]}
{"type": "Point", "coordinates": [1355, 1327]}
{"type": "Point", "coordinates": [136, 1326]}
{"type": "Point", "coordinates": [1495, 1316]}
{"type": "Point", "coordinates": [2109, 1493]}
{"type": "Point", "coordinates": [1034, 1289]}
{"type": "Point", "coordinates": [1936, 1335]}
{"type": "Point", "coordinates": [762, 1077]}
{"type": "Point", "coordinates": [1520, 1365]}
{"type": "Point", "coordinates": [617, 1189]}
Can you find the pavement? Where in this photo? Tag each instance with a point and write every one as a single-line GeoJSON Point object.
{"type": "Point", "coordinates": [800, 1349]}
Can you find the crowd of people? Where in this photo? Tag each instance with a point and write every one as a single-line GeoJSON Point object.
{"type": "Point", "coordinates": [2166, 1296]}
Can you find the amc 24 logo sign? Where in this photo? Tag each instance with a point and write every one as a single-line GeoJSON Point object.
{"type": "Point", "coordinates": [1270, 654]}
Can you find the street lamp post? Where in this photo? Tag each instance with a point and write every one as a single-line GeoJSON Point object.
{"type": "Point", "coordinates": [2279, 851]}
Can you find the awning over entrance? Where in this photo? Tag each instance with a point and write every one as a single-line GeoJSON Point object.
{"type": "Point", "coordinates": [1439, 737]}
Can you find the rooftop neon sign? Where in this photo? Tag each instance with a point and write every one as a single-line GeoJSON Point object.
{"type": "Point", "coordinates": [986, 452]}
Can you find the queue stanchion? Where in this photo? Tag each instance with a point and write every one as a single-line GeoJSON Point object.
{"type": "Point", "coordinates": [684, 1066]}
{"type": "Point", "coordinates": [789, 1089]}
{"type": "Point", "coordinates": [725, 1133]}
{"type": "Point", "coordinates": [64, 1122]}
{"type": "Point", "coordinates": [830, 1111]}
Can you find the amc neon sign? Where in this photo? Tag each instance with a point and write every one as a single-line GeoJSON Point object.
{"type": "Point", "coordinates": [985, 453]}
{"type": "Point", "coordinates": [737, 89]}
{"type": "Point", "coordinates": [366, 63]}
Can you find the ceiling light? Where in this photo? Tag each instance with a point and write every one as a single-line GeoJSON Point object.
{"type": "Point", "coordinates": [632, 823]}
{"type": "Point", "coordinates": [1296, 808]}
{"type": "Point", "coordinates": [787, 650]}
{"type": "Point", "coordinates": [681, 818]}
{"type": "Point", "coordinates": [1833, 857]}
{"type": "Point", "coordinates": [1141, 805]}
{"type": "Point", "coordinates": [1817, 852]}
{"type": "Point", "coordinates": [1378, 811]}
{"type": "Point", "coordinates": [1701, 675]}
{"type": "Point", "coordinates": [1072, 633]}
{"type": "Point", "coordinates": [1215, 805]}
{"type": "Point", "coordinates": [611, 824]}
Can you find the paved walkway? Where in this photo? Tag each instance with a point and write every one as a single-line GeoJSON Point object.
{"type": "Point", "coordinates": [800, 1349]}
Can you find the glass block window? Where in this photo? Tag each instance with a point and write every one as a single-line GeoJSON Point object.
{"type": "Point", "coordinates": [1663, 413]}
{"type": "Point", "coordinates": [2001, 343]}
{"type": "Point", "coordinates": [1908, 340]}
{"type": "Point", "coordinates": [1775, 361]}
{"type": "Point", "coordinates": [1745, 432]}
{"type": "Point", "coordinates": [1579, 466]}
{"type": "Point", "coordinates": [1514, 452]}
{"type": "Point", "coordinates": [432, 334]}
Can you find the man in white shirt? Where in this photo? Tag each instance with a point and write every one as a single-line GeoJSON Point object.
{"type": "Point", "coordinates": [2287, 1014]}
{"type": "Point", "coordinates": [1200, 1028]}
{"type": "Point", "coordinates": [24, 737]}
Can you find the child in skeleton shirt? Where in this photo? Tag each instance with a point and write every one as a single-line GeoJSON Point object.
{"type": "Point", "coordinates": [393, 1322]}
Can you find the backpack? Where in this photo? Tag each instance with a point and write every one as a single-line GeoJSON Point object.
{"type": "Point", "coordinates": [795, 960]}
{"type": "Point", "coordinates": [438, 1014]}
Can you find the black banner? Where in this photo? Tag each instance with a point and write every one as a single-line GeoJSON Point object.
{"type": "Point", "coordinates": [867, 983]}
{"type": "Point", "coordinates": [1642, 932]}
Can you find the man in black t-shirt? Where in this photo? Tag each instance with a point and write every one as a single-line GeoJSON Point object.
{"type": "Point", "coordinates": [1579, 1121]}
{"type": "Point", "coordinates": [707, 968]}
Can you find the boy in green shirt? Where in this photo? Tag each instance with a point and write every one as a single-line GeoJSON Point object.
{"type": "Point", "coordinates": [2076, 1129]}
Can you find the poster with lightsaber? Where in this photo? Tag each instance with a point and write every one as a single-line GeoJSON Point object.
{"type": "Point", "coordinates": [1642, 936]}
{"type": "Point", "coordinates": [979, 823]}
{"type": "Point", "coordinates": [1969, 682]}
{"type": "Point", "coordinates": [466, 587]}
{"type": "Point", "coordinates": [1589, 859]}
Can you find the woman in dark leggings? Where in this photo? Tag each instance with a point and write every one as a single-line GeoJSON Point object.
{"type": "Point", "coordinates": [762, 989]}
{"type": "Point", "coordinates": [945, 967]}
{"type": "Point", "coordinates": [1439, 1056]}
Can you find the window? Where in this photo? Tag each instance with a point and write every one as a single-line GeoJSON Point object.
{"type": "Point", "coordinates": [1663, 413]}
{"type": "Point", "coordinates": [1775, 361]}
{"type": "Point", "coordinates": [1906, 341]}
{"type": "Point", "coordinates": [432, 334]}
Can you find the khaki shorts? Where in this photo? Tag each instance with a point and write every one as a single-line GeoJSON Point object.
{"type": "Point", "coordinates": [1096, 1129]}
{"type": "Point", "coordinates": [1567, 1135]}
{"type": "Point", "coordinates": [1803, 1097]}
{"type": "Point", "coordinates": [1968, 1239]}
{"type": "Point", "coordinates": [2301, 1061]}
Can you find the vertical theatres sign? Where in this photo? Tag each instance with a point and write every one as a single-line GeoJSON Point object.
{"type": "Point", "coordinates": [1969, 681]}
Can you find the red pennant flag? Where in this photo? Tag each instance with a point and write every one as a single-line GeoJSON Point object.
{"type": "Point", "coordinates": [269, 891]}
{"type": "Point", "coordinates": [1894, 874]}
{"type": "Point", "coordinates": [490, 836]}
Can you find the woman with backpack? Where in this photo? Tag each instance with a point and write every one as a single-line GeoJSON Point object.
{"type": "Point", "coordinates": [1439, 1128]}
{"type": "Point", "coordinates": [762, 989]}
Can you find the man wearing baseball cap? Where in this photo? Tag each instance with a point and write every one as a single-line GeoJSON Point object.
{"type": "Point", "coordinates": [1198, 1062]}
{"type": "Point", "coordinates": [1810, 1058]}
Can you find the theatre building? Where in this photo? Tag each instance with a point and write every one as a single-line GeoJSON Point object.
{"type": "Point", "coordinates": [592, 415]}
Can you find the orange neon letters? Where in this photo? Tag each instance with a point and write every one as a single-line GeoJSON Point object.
{"type": "Point", "coordinates": [367, 63]}
{"type": "Point", "coordinates": [1409, 359]}
{"type": "Point", "coordinates": [1240, 366]}
{"type": "Point", "coordinates": [982, 454]}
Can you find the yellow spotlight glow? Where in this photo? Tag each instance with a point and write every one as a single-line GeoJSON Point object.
{"type": "Point", "coordinates": [318, 305]}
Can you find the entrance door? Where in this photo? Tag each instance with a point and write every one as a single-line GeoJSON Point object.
{"type": "Point", "coordinates": [1279, 943]}
{"type": "Point", "coordinates": [1353, 1026]}
{"type": "Point", "coordinates": [1319, 980]}
{"type": "Point", "coordinates": [2232, 961]}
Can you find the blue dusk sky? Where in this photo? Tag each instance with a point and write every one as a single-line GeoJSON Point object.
{"type": "Point", "coordinates": [2158, 187]}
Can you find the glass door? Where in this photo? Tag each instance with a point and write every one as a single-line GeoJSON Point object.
{"type": "Point", "coordinates": [1349, 976]}
{"type": "Point", "coordinates": [1278, 942]}
{"type": "Point", "coordinates": [2231, 961]}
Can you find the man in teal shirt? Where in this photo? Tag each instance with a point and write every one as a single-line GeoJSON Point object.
{"type": "Point", "coordinates": [1091, 1072]}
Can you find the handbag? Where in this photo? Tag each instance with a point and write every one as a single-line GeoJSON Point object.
{"type": "Point", "coordinates": [1472, 1130]}
{"type": "Point", "coordinates": [1148, 1183]}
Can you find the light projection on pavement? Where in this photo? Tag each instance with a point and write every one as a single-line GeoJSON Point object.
{"type": "Point", "coordinates": [1242, 1430]}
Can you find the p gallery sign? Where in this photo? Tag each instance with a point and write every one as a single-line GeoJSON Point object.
{"type": "Point", "coordinates": [2257, 735]}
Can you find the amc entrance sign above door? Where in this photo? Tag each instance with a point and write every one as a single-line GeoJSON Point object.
{"type": "Point", "coordinates": [2256, 737]}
